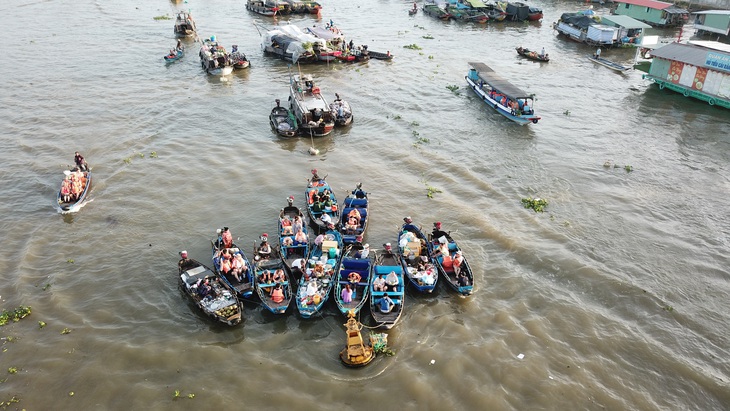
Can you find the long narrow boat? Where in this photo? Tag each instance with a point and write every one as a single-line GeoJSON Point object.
{"type": "Point", "coordinates": [416, 257]}
{"type": "Point", "coordinates": [387, 264]}
{"type": "Point", "coordinates": [532, 55]}
{"type": "Point", "coordinates": [292, 251]}
{"type": "Point", "coordinates": [378, 55]}
{"type": "Point", "coordinates": [608, 63]}
{"type": "Point", "coordinates": [356, 258]}
{"type": "Point", "coordinates": [315, 285]}
{"type": "Point", "coordinates": [446, 267]}
{"type": "Point", "coordinates": [244, 288]}
{"type": "Point", "coordinates": [355, 215]}
{"type": "Point", "coordinates": [174, 55]}
{"type": "Point", "coordinates": [220, 303]}
{"type": "Point", "coordinates": [69, 201]}
{"type": "Point", "coordinates": [266, 289]}
{"type": "Point", "coordinates": [501, 95]}
{"type": "Point", "coordinates": [321, 213]}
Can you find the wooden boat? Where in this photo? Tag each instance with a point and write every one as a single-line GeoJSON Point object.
{"type": "Point", "coordinates": [244, 289]}
{"type": "Point", "coordinates": [69, 202]}
{"type": "Point", "coordinates": [309, 106]}
{"type": "Point", "coordinates": [354, 260]}
{"type": "Point", "coordinates": [264, 7]}
{"type": "Point", "coordinates": [387, 262]}
{"type": "Point", "coordinates": [265, 289]}
{"type": "Point", "coordinates": [356, 353]}
{"type": "Point", "coordinates": [318, 190]}
{"type": "Point", "coordinates": [445, 265]}
{"type": "Point", "coordinates": [283, 121]}
{"type": "Point", "coordinates": [184, 25]}
{"type": "Point", "coordinates": [304, 6]}
{"type": "Point", "coordinates": [238, 58]}
{"type": "Point", "coordinates": [501, 95]}
{"type": "Point", "coordinates": [435, 11]}
{"type": "Point", "coordinates": [532, 55]}
{"type": "Point", "coordinates": [534, 14]}
{"type": "Point", "coordinates": [174, 55]}
{"type": "Point", "coordinates": [415, 252]}
{"type": "Point", "coordinates": [292, 251]}
{"type": "Point", "coordinates": [379, 55]}
{"type": "Point", "coordinates": [342, 111]}
{"type": "Point", "coordinates": [608, 63]}
{"type": "Point", "coordinates": [412, 12]}
{"type": "Point", "coordinates": [315, 285]}
{"type": "Point", "coordinates": [214, 59]}
{"type": "Point", "coordinates": [221, 304]}
{"type": "Point", "coordinates": [355, 204]}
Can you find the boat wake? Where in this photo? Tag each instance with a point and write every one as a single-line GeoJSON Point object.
{"type": "Point", "coordinates": [74, 208]}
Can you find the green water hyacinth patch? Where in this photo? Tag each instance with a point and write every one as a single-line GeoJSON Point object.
{"type": "Point", "coordinates": [412, 46]}
{"type": "Point", "coordinates": [165, 17]}
{"type": "Point", "coordinates": [15, 315]}
{"type": "Point", "coordinates": [537, 204]}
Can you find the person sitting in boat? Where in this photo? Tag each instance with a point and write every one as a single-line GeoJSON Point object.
{"type": "Point", "coordinates": [437, 232]}
{"type": "Point", "coordinates": [172, 54]}
{"type": "Point", "coordinates": [296, 224]}
{"type": "Point", "coordinates": [542, 53]}
{"type": "Point", "coordinates": [226, 238]}
{"type": "Point", "coordinates": [225, 265]}
{"type": "Point", "coordinates": [318, 269]}
{"type": "Point", "coordinates": [326, 219]}
{"type": "Point", "coordinates": [238, 267]}
{"type": "Point", "coordinates": [287, 242]}
{"type": "Point", "coordinates": [386, 304]}
{"type": "Point", "coordinates": [266, 277]}
{"type": "Point", "coordinates": [457, 261]}
{"type": "Point", "coordinates": [462, 280]}
{"type": "Point", "coordinates": [279, 276]}
{"type": "Point", "coordinates": [185, 263]}
{"type": "Point", "coordinates": [354, 277]}
{"type": "Point", "coordinates": [80, 162]}
{"type": "Point", "coordinates": [392, 280]}
{"type": "Point", "coordinates": [346, 294]}
{"type": "Point", "coordinates": [301, 237]}
{"type": "Point", "coordinates": [312, 288]}
{"type": "Point", "coordinates": [443, 248]}
{"type": "Point", "coordinates": [205, 289]}
{"type": "Point", "coordinates": [66, 190]}
{"type": "Point", "coordinates": [286, 226]}
{"type": "Point", "coordinates": [351, 225]}
{"type": "Point", "coordinates": [355, 213]}
{"type": "Point", "coordinates": [379, 284]}
{"type": "Point", "coordinates": [364, 252]}
{"type": "Point", "coordinates": [264, 250]}
{"type": "Point", "coordinates": [388, 249]}
{"type": "Point", "coordinates": [277, 295]}
{"type": "Point", "coordinates": [526, 108]}
{"type": "Point", "coordinates": [234, 48]}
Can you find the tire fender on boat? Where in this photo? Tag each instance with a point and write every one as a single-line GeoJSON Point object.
{"type": "Point", "coordinates": [534, 121]}
{"type": "Point", "coordinates": [686, 92]}
{"type": "Point", "coordinates": [661, 86]}
{"type": "Point", "coordinates": [712, 101]}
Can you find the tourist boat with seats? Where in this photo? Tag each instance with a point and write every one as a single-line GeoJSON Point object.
{"type": "Point", "coordinates": [355, 215]}
{"type": "Point", "coordinates": [342, 111]}
{"type": "Point", "coordinates": [609, 64]}
{"type": "Point", "coordinates": [74, 178]}
{"type": "Point", "coordinates": [445, 264]}
{"type": "Point", "coordinates": [416, 257]}
{"type": "Point", "coordinates": [309, 106]}
{"type": "Point", "coordinates": [174, 55]}
{"type": "Point", "coordinates": [244, 289]}
{"type": "Point", "coordinates": [184, 25]}
{"type": "Point", "coordinates": [292, 252]}
{"type": "Point", "coordinates": [315, 285]}
{"type": "Point", "coordinates": [283, 121]}
{"type": "Point", "coordinates": [532, 55]}
{"type": "Point", "coordinates": [214, 59]}
{"type": "Point", "coordinates": [356, 258]}
{"type": "Point", "coordinates": [499, 94]}
{"type": "Point", "coordinates": [322, 207]}
{"type": "Point", "coordinates": [221, 303]}
{"type": "Point", "coordinates": [387, 264]}
{"type": "Point", "coordinates": [275, 295]}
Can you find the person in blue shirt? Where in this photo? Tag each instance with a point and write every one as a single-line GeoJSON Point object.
{"type": "Point", "coordinates": [386, 304]}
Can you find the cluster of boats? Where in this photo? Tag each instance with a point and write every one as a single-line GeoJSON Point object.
{"type": "Point", "coordinates": [283, 7]}
{"type": "Point", "coordinates": [336, 264]}
{"type": "Point", "coordinates": [309, 113]}
{"type": "Point", "coordinates": [478, 11]}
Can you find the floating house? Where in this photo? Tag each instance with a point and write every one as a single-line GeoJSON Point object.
{"type": "Point", "coordinates": [713, 22]}
{"type": "Point", "coordinates": [630, 30]}
{"type": "Point", "coordinates": [656, 13]}
{"type": "Point", "coordinates": [699, 69]}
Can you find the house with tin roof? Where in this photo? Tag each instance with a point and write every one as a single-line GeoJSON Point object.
{"type": "Point", "coordinates": [715, 23]}
{"type": "Point", "coordinates": [699, 69]}
{"type": "Point", "coordinates": [653, 12]}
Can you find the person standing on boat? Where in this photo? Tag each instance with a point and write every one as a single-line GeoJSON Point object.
{"type": "Point", "coordinates": [185, 263]}
{"type": "Point", "coordinates": [542, 53]}
{"type": "Point", "coordinates": [598, 53]}
{"type": "Point", "coordinates": [437, 233]}
{"type": "Point", "coordinates": [80, 162]}
{"type": "Point", "coordinates": [179, 45]}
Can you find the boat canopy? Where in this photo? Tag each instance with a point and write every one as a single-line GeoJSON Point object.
{"type": "Point", "coordinates": [289, 44]}
{"type": "Point", "coordinates": [297, 33]}
{"type": "Point", "coordinates": [323, 33]}
{"type": "Point", "coordinates": [577, 20]}
{"type": "Point", "coordinates": [498, 82]}
{"type": "Point", "coordinates": [627, 22]}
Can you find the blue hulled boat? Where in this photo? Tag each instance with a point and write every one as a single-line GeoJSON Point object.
{"type": "Point", "coordinates": [274, 294]}
{"type": "Point", "coordinates": [416, 257]}
{"type": "Point", "coordinates": [501, 95]}
{"type": "Point", "coordinates": [322, 207]}
{"type": "Point", "coordinates": [354, 259]}
{"type": "Point", "coordinates": [244, 288]}
{"type": "Point", "coordinates": [445, 261]}
{"type": "Point", "coordinates": [316, 283]}
{"type": "Point", "coordinates": [387, 311]}
{"type": "Point", "coordinates": [292, 250]}
{"type": "Point", "coordinates": [174, 55]}
{"type": "Point", "coordinates": [354, 217]}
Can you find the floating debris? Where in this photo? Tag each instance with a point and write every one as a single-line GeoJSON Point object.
{"type": "Point", "coordinates": [537, 204]}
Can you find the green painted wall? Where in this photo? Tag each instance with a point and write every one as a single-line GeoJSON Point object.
{"type": "Point", "coordinates": [639, 13]}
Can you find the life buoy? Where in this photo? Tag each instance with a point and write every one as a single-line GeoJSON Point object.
{"type": "Point", "coordinates": [712, 101]}
{"type": "Point", "coordinates": [534, 121]}
{"type": "Point", "coordinates": [686, 93]}
{"type": "Point", "coordinates": [661, 86]}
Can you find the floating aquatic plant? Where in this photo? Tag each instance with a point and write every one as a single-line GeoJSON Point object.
{"type": "Point", "coordinates": [153, 154]}
{"type": "Point", "coordinates": [12, 370]}
{"type": "Point", "coordinates": [65, 331]}
{"type": "Point", "coordinates": [71, 393]}
{"type": "Point", "coordinates": [537, 204]}
{"type": "Point", "coordinates": [165, 17]}
{"type": "Point", "coordinates": [428, 37]}
{"type": "Point", "coordinates": [414, 124]}
{"type": "Point", "coordinates": [46, 287]}
{"type": "Point", "coordinates": [176, 394]}
{"type": "Point", "coordinates": [430, 191]}
{"type": "Point", "coordinates": [412, 46]}
{"type": "Point", "coordinates": [191, 395]}
{"type": "Point", "coordinates": [454, 88]}
{"type": "Point", "coordinates": [415, 133]}
{"type": "Point", "coordinates": [15, 315]}
{"type": "Point", "coordinates": [628, 169]}
{"type": "Point", "coordinates": [13, 400]}
{"type": "Point", "coordinates": [128, 160]}
{"type": "Point", "coordinates": [41, 324]}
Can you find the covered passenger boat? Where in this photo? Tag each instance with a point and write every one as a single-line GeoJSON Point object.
{"type": "Point", "coordinates": [498, 93]}
{"type": "Point", "coordinates": [354, 217]}
{"type": "Point", "coordinates": [277, 43]}
{"type": "Point", "coordinates": [184, 25]}
{"type": "Point", "coordinates": [294, 246]}
{"type": "Point", "coordinates": [309, 106]}
{"type": "Point", "coordinates": [322, 207]}
{"type": "Point", "coordinates": [342, 111]}
{"type": "Point", "coordinates": [243, 288]}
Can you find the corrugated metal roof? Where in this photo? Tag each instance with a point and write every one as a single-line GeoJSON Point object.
{"type": "Point", "coordinates": [686, 53]}
{"type": "Point", "coordinates": [498, 82]}
{"type": "Point", "coordinates": [625, 21]}
{"type": "Point", "coordinates": [653, 4]}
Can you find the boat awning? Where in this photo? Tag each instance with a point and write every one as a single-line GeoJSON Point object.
{"type": "Point", "coordinates": [323, 33]}
{"type": "Point", "coordinates": [498, 82]}
{"type": "Point", "coordinates": [625, 22]}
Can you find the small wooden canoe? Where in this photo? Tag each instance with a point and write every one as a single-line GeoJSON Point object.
{"type": "Point", "coordinates": [220, 303]}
